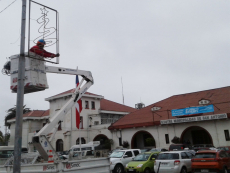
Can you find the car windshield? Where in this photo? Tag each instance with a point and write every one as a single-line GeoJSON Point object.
{"type": "Point", "coordinates": [141, 157]}
{"type": "Point", "coordinates": [168, 156]}
{"type": "Point", "coordinates": [117, 154]}
{"type": "Point", "coordinates": [178, 147]}
{"type": "Point", "coordinates": [205, 155]}
{"type": "Point", "coordinates": [155, 149]}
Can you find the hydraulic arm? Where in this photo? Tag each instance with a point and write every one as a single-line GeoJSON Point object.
{"type": "Point", "coordinates": [40, 140]}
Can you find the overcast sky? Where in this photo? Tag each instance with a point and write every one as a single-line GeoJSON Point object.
{"type": "Point", "coordinates": [159, 48]}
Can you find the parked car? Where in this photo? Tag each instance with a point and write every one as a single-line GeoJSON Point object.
{"type": "Point", "coordinates": [143, 162]}
{"type": "Point", "coordinates": [120, 158]}
{"type": "Point", "coordinates": [224, 148]}
{"type": "Point", "coordinates": [145, 150]}
{"type": "Point", "coordinates": [158, 150]}
{"type": "Point", "coordinates": [173, 162]}
{"type": "Point", "coordinates": [110, 152]}
{"type": "Point", "coordinates": [191, 151]}
{"type": "Point", "coordinates": [211, 161]}
{"type": "Point", "coordinates": [202, 146]}
{"type": "Point", "coordinates": [174, 147]}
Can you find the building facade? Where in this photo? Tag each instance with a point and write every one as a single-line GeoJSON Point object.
{"type": "Point", "coordinates": [158, 121]}
{"type": "Point", "coordinates": [96, 116]}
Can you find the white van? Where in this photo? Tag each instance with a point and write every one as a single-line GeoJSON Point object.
{"type": "Point", "coordinates": [89, 146]}
{"type": "Point", "coordinates": [7, 151]}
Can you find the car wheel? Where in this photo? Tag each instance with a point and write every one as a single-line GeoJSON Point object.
{"type": "Point", "coordinates": [147, 170]}
{"type": "Point", "coordinates": [183, 170]}
{"type": "Point", "coordinates": [118, 169]}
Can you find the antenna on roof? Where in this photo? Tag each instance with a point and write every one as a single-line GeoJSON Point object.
{"type": "Point", "coordinates": [122, 92]}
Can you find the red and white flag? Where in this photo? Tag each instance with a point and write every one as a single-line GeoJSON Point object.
{"type": "Point", "coordinates": [78, 107]}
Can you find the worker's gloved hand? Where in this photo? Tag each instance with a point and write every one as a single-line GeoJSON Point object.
{"type": "Point", "coordinates": [57, 55]}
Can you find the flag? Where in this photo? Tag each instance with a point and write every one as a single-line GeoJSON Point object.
{"type": "Point", "coordinates": [78, 107]}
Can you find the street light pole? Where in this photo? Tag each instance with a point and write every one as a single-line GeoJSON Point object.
{"type": "Point", "coordinates": [20, 95]}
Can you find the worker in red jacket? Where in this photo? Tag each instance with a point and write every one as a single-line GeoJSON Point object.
{"type": "Point", "coordinates": [39, 49]}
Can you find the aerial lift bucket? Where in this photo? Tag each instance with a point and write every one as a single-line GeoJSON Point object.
{"type": "Point", "coordinates": [35, 73]}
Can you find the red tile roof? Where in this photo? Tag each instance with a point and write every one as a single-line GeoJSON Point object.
{"type": "Point", "coordinates": [37, 113]}
{"type": "Point", "coordinates": [219, 97]}
{"type": "Point", "coordinates": [108, 105]}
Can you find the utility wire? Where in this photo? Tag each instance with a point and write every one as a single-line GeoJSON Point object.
{"type": "Point", "coordinates": [7, 6]}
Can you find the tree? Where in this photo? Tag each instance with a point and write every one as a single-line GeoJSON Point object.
{"type": "Point", "coordinates": [108, 143]}
{"type": "Point", "coordinates": [4, 138]}
{"type": "Point", "coordinates": [11, 113]}
{"type": "Point", "coordinates": [125, 144]}
{"type": "Point", "coordinates": [150, 142]}
{"type": "Point", "coordinates": [175, 140]}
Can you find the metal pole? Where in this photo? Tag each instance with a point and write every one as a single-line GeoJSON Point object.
{"type": "Point", "coordinates": [20, 95]}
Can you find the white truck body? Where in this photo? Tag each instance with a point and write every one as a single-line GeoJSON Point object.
{"type": "Point", "coordinates": [94, 165]}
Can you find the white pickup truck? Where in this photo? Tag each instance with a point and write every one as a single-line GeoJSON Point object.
{"type": "Point", "coordinates": [120, 158]}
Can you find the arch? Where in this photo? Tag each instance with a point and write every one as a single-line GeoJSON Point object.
{"type": "Point", "coordinates": [104, 141]}
{"type": "Point", "coordinates": [100, 136]}
{"type": "Point", "coordinates": [59, 145]}
{"type": "Point", "coordinates": [82, 141]}
{"type": "Point", "coordinates": [141, 136]}
{"type": "Point", "coordinates": [196, 135]}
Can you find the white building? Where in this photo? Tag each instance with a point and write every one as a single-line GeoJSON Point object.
{"type": "Point", "coordinates": [96, 116]}
{"type": "Point", "coordinates": [157, 121]}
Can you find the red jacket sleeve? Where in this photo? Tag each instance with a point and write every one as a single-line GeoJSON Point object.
{"type": "Point", "coordinates": [41, 52]}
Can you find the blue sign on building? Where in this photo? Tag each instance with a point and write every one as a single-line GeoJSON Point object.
{"type": "Point", "coordinates": [192, 110]}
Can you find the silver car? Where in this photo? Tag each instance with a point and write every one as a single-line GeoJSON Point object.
{"type": "Point", "coordinates": [173, 162]}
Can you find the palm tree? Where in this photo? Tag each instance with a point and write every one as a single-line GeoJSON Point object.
{"type": "Point", "coordinates": [11, 113]}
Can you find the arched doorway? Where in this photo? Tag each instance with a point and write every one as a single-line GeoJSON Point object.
{"type": "Point", "coordinates": [196, 135]}
{"type": "Point", "coordinates": [104, 142]}
{"type": "Point", "coordinates": [82, 141]}
{"type": "Point", "coordinates": [59, 145]}
{"type": "Point", "coordinates": [143, 139]}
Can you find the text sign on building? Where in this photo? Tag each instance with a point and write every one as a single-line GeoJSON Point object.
{"type": "Point", "coordinates": [191, 119]}
{"type": "Point", "coordinates": [192, 110]}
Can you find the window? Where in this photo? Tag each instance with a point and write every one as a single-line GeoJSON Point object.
{"type": "Point", "coordinates": [81, 122]}
{"type": "Point", "coordinates": [86, 105]}
{"type": "Point", "coordinates": [96, 122]}
{"type": "Point", "coordinates": [89, 153]}
{"type": "Point", "coordinates": [167, 138]}
{"type": "Point", "coordinates": [227, 137]}
{"type": "Point", "coordinates": [120, 143]}
{"type": "Point", "coordinates": [136, 152]}
{"type": "Point", "coordinates": [59, 145]}
{"type": "Point", "coordinates": [129, 154]}
{"type": "Point", "coordinates": [109, 118]}
{"type": "Point", "coordinates": [189, 155]}
{"type": "Point", "coordinates": [92, 105]}
{"type": "Point", "coordinates": [168, 156]}
{"type": "Point", "coordinates": [184, 156]}
{"type": "Point", "coordinates": [82, 141]}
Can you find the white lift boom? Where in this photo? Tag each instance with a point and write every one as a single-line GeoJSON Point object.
{"type": "Point", "coordinates": [40, 140]}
